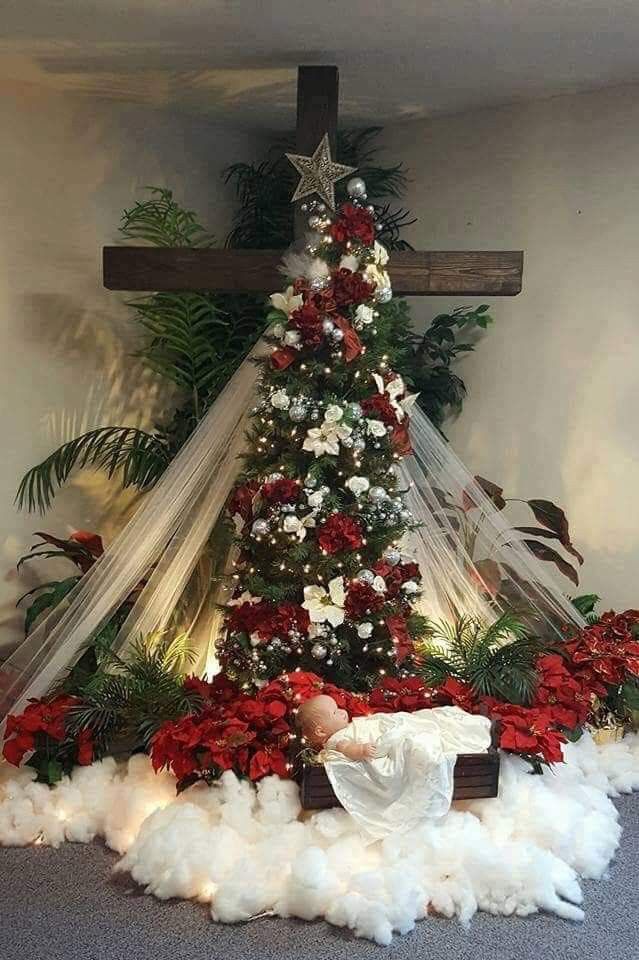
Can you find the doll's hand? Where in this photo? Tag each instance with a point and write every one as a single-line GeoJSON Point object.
{"type": "Point", "coordinates": [356, 751]}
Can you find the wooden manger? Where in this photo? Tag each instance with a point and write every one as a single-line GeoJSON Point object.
{"type": "Point", "coordinates": [476, 777]}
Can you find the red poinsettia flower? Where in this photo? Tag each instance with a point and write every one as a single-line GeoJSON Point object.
{"type": "Point", "coordinates": [353, 223]}
{"type": "Point", "coordinates": [402, 640]}
{"type": "Point", "coordinates": [91, 541]}
{"type": "Point", "coordinates": [409, 694]}
{"type": "Point", "coordinates": [85, 748]}
{"type": "Point", "coordinates": [339, 532]}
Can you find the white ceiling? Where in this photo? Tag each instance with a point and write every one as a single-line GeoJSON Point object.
{"type": "Point", "coordinates": [398, 59]}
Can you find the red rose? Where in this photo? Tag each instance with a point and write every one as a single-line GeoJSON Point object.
{"type": "Point", "coordinates": [283, 357]}
{"type": "Point", "coordinates": [339, 532]}
{"type": "Point", "coordinates": [281, 491]}
{"type": "Point", "coordinates": [379, 407]}
{"type": "Point", "coordinates": [353, 223]}
{"type": "Point", "coordinates": [350, 288]}
{"type": "Point", "coordinates": [307, 319]}
{"type": "Point", "coordinates": [361, 600]}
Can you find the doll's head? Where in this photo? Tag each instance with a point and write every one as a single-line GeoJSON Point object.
{"type": "Point", "coordinates": [319, 718]}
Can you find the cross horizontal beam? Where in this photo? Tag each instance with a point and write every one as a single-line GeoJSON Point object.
{"type": "Point", "coordinates": [413, 273]}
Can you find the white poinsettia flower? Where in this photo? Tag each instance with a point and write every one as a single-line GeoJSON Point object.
{"type": "Point", "coordinates": [288, 301]}
{"type": "Point", "coordinates": [357, 485]}
{"type": "Point", "coordinates": [376, 428]}
{"type": "Point", "coordinates": [379, 585]}
{"type": "Point", "coordinates": [349, 262]}
{"type": "Point", "coordinates": [326, 439]}
{"type": "Point", "coordinates": [380, 253]}
{"type": "Point", "coordinates": [280, 400]}
{"type": "Point", "coordinates": [245, 597]}
{"type": "Point", "coordinates": [364, 314]}
{"type": "Point", "coordinates": [326, 605]}
{"type": "Point", "coordinates": [299, 525]}
{"type": "Point", "coordinates": [333, 413]}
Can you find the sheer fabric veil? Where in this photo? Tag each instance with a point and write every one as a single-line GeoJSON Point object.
{"type": "Point", "coordinates": [162, 544]}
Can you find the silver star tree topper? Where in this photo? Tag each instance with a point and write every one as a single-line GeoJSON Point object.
{"type": "Point", "coordinates": [318, 174]}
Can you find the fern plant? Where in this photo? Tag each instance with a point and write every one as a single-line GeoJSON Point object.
{"type": "Point", "coordinates": [125, 700]}
{"type": "Point", "coordinates": [496, 660]}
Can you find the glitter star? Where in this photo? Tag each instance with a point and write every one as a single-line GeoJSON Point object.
{"type": "Point", "coordinates": [318, 174]}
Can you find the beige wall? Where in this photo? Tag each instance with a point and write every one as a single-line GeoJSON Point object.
{"type": "Point", "coordinates": [68, 165]}
{"type": "Point", "coordinates": [552, 407]}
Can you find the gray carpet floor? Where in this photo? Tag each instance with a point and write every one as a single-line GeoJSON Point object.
{"type": "Point", "coordinates": [63, 905]}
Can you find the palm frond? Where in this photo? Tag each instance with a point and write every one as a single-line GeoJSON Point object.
{"type": "Point", "coordinates": [141, 456]}
{"type": "Point", "coordinates": [163, 222]}
{"type": "Point", "coordinates": [496, 659]}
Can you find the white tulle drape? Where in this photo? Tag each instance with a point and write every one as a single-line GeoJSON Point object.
{"type": "Point", "coordinates": [471, 560]}
{"type": "Point", "coordinates": [164, 542]}
{"type": "Point", "coordinates": [161, 544]}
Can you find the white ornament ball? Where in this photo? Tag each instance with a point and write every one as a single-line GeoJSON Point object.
{"type": "Point", "coordinates": [356, 188]}
{"type": "Point", "coordinates": [319, 651]}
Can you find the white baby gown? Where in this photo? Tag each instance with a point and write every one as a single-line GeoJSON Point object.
{"type": "Point", "coordinates": [411, 777]}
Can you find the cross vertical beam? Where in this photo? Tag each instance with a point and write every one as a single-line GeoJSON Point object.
{"type": "Point", "coordinates": [317, 99]}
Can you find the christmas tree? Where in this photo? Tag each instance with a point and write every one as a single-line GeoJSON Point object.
{"type": "Point", "coordinates": [321, 582]}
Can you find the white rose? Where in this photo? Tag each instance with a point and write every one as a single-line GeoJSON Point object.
{"type": "Point", "coordinates": [380, 253]}
{"type": "Point", "coordinates": [357, 485]}
{"type": "Point", "coordinates": [315, 499]}
{"type": "Point", "coordinates": [365, 630]}
{"type": "Point", "coordinates": [291, 338]}
{"type": "Point", "coordinates": [349, 262]}
{"type": "Point", "coordinates": [291, 524]}
{"type": "Point", "coordinates": [280, 400]}
{"type": "Point", "coordinates": [379, 586]}
{"type": "Point", "coordinates": [364, 314]}
{"type": "Point", "coordinates": [376, 428]}
{"type": "Point", "coordinates": [410, 587]}
{"type": "Point", "coordinates": [333, 413]}
{"type": "Point", "coordinates": [278, 331]}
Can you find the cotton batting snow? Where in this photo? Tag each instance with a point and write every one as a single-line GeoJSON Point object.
{"type": "Point", "coordinates": [247, 851]}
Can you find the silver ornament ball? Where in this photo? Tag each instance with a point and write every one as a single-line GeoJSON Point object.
{"type": "Point", "coordinates": [297, 412]}
{"type": "Point", "coordinates": [365, 576]}
{"type": "Point", "coordinates": [392, 556]}
{"type": "Point", "coordinates": [260, 528]}
{"type": "Point", "coordinates": [383, 294]}
{"type": "Point", "coordinates": [377, 493]}
{"type": "Point", "coordinates": [328, 326]}
{"type": "Point", "coordinates": [319, 651]}
{"type": "Point", "coordinates": [356, 188]}
{"type": "Point", "coordinates": [337, 335]}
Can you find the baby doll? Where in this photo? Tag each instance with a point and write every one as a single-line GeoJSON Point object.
{"type": "Point", "coordinates": [392, 771]}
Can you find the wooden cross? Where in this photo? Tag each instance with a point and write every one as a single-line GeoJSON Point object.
{"type": "Point", "coordinates": [412, 273]}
